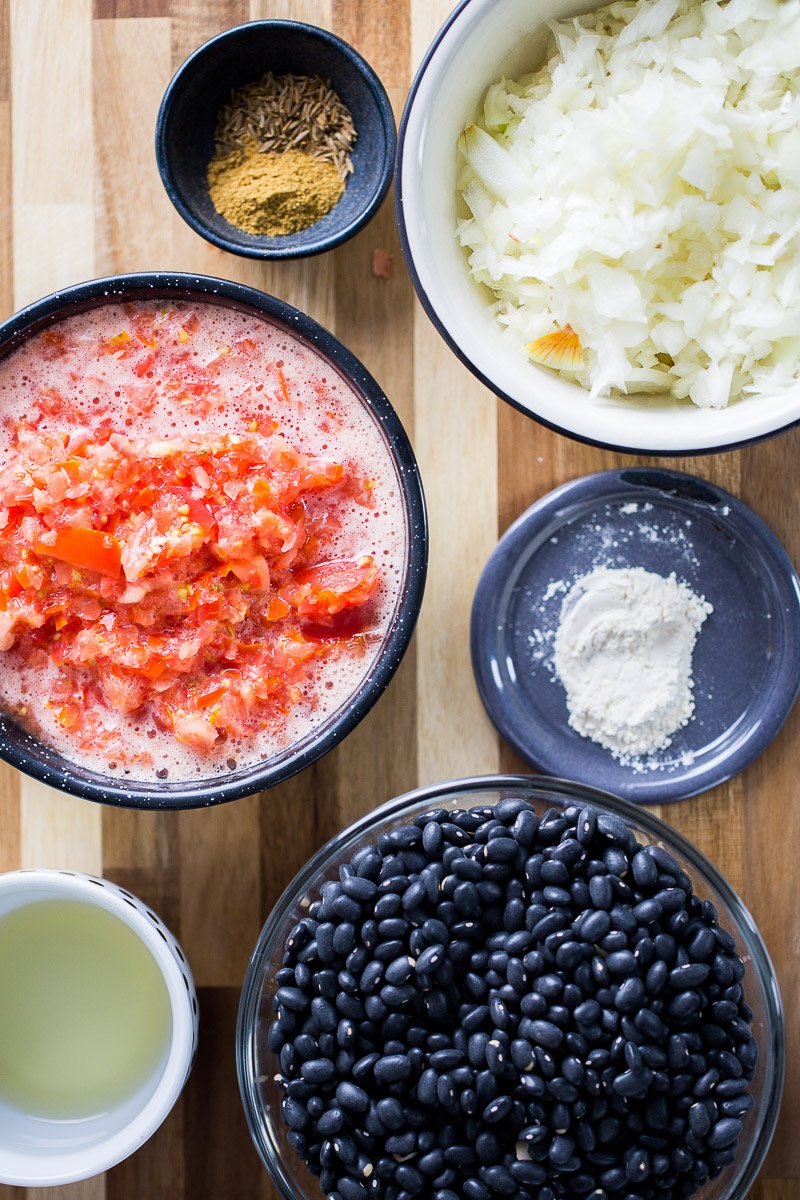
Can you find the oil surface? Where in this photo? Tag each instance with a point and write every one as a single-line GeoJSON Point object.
{"type": "Point", "coordinates": [84, 1010]}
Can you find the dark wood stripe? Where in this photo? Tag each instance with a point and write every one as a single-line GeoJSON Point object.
{"type": "Point", "coordinates": [104, 9]}
{"type": "Point", "coordinates": [194, 21]}
{"type": "Point", "coordinates": [141, 852]}
{"type": "Point", "coordinates": [219, 1157]}
{"type": "Point", "coordinates": [157, 1170]}
{"type": "Point", "coordinates": [383, 38]}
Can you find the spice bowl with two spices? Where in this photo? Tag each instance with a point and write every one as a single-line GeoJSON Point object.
{"type": "Point", "coordinates": [276, 139]}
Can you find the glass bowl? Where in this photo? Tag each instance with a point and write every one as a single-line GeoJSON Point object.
{"type": "Point", "coordinates": [257, 1065]}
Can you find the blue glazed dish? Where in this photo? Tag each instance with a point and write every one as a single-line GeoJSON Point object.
{"type": "Point", "coordinates": [746, 663]}
{"type": "Point", "coordinates": [26, 752]}
{"type": "Point", "coordinates": [188, 114]}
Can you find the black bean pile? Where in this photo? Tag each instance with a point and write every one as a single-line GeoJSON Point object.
{"type": "Point", "coordinates": [488, 1003]}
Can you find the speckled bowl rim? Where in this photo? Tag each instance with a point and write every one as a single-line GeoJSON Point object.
{"type": "Point", "coordinates": [248, 249]}
{"type": "Point", "coordinates": [58, 772]}
{"type": "Point", "coordinates": [565, 791]}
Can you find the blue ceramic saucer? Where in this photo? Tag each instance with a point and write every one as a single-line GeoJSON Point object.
{"type": "Point", "coordinates": [746, 662]}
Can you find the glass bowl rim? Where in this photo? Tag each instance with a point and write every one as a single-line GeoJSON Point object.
{"type": "Point", "coordinates": [773, 1051]}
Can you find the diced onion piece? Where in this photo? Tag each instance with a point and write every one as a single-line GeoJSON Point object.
{"type": "Point", "coordinates": [560, 350]}
{"type": "Point", "coordinates": [494, 166]}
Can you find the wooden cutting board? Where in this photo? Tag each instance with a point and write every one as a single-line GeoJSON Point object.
{"type": "Point", "coordinates": [80, 83]}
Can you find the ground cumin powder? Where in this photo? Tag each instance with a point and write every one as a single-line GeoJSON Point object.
{"type": "Point", "coordinates": [281, 154]}
{"type": "Point", "coordinates": [272, 194]}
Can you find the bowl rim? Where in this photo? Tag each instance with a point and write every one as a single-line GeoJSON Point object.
{"type": "Point", "coordinates": [207, 289]}
{"type": "Point", "coordinates": [405, 244]}
{"type": "Point", "coordinates": [773, 1051]}
{"type": "Point", "coordinates": [248, 250]}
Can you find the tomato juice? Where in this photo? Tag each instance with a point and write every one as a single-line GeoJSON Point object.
{"type": "Point", "coordinates": [202, 539]}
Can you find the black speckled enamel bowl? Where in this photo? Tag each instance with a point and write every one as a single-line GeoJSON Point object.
{"type": "Point", "coordinates": [203, 84]}
{"type": "Point", "coordinates": [35, 758]}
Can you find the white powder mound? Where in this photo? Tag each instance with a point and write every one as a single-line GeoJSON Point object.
{"type": "Point", "coordinates": [643, 187]}
{"type": "Point", "coordinates": [623, 651]}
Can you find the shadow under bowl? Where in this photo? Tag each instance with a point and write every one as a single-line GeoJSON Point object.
{"type": "Point", "coordinates": [29, 754]}
{"type": "Point", "coordinates": [187, 121]}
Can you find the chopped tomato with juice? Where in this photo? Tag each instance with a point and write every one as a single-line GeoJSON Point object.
{"type": "Point", "coordinates": [192, 581]}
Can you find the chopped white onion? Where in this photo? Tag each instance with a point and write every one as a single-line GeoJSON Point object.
{"type": "Point", "coordinates": [643, 187]}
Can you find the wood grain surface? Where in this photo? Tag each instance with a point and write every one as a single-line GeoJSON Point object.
{"type": "Point", "coordinates": [80, 83]}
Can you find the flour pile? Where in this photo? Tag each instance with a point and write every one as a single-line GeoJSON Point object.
{"type": "Point", "coordinates": [623, 651]}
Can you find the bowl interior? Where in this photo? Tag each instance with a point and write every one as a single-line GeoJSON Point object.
{"type": "Point", "coordinates": [485, 41]}
{"type": "Point", "coordinates": [188, 118]}
{"type": "Point", "coordinates": [257, 1065]}
{"type": "Point", "coordinates": [34, 757]}
{"type": "Point", "coordinates": [39, 1151]}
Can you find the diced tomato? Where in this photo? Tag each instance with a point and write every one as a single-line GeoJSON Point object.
{"type": "Point", "coordinates": [194, 730]}
{"type": "Point", "coordinates": [90, 549]}
{"type": "Point", "coordinates": [180, 578]}
{"type": "Point", "coordinates": [119, 344]}
{"type": "Point", "coordinates": [201, 514]}
{"type": "Point", "coordinates": [284, 391]}
{"type": "Point", "coordinates": [277, 609]}
{"type": "Point", "coordinates": [144, 365]}
{"type": "Point", "coordinates": [325, 589]}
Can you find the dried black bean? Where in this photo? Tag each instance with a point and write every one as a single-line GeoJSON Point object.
{"type": "Point", "coordinates": [724, 1133]}
{"type": "Point", "coordinates": [482, 979]}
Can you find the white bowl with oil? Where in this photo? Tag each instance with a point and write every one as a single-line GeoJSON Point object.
{"type": "Point", "coordinates": [482, 42]}
{"type": "Point", "coordinates": [55, 1129]}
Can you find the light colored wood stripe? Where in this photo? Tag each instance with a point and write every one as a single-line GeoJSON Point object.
{"type": "Point", "coordinates": [309, 284]}
{"type": "Point", "coordinates": [6, 209]}
{"type": "Point", "coordinates": [456, 442]}
{"type": "Point", "coordinates": [313, 12]}
{"type": "Point", "coordinates": [194, 21]}
{"type": "Point", "coordinates": [58, 830]}
{"type": "Point", "coordinates": [54, 246]}
{"type": "Point", "coordinates": [382, 40]}
{"type": "Point", "coordinates": [52, 145]}
{"type": "Point", "coordinates": [52, 96]}
{"type": "Point", "coordinates": [135, 218]}
{"type": "Point", "coordinates": [88, 1189]}
{"type": "Point", "coordinates": [9, 818]}
{"type": "Point", "coordinates": [6, 241]}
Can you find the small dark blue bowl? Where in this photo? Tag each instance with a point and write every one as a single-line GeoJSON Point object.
{"type": "Point", "coordinates": [188, 115]}
{"type": "Point", "coordinates": [26, 752]}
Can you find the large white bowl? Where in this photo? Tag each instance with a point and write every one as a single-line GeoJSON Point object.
{"type": "Point", "coordinates": [481, 42]}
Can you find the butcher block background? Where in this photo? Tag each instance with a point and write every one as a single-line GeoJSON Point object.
{"type": "Point", "coordinates": [80, 196]}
